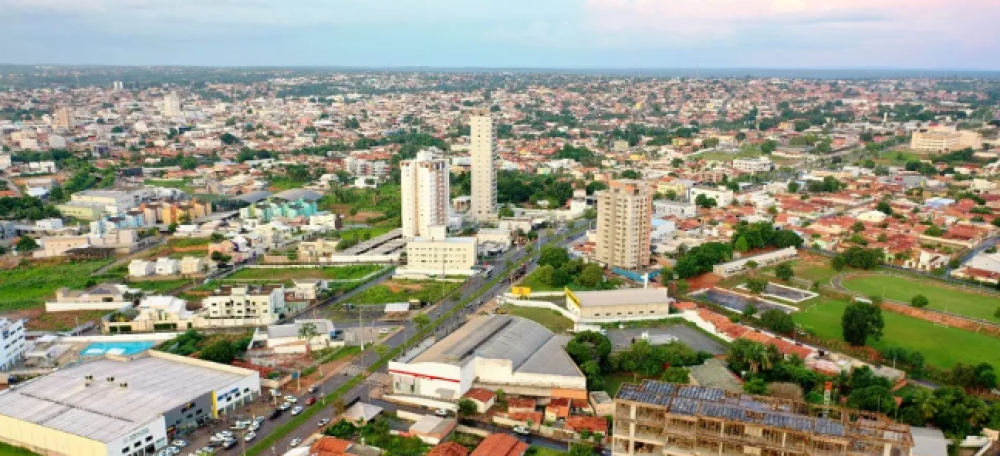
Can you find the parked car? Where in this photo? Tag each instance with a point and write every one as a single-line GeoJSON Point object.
{"type": "Point", "coordinates": [224, 434]}
{"type": "Point", "coordinates": [312, 389]}
{"type": "Point", "coordinates": [296, 410]}
{"type": "Point", "coordinates": [250, 436]}
{"type": "Point", "coordinates": [179, 443]}
{"type": "Point", "coordinates": [383, 331]}
{"type": "Point", "coordinates": [275, 413]}
{"type": "Point", "coordinates": [521, 430]}
{"type": "Point", "coordinates": [285, 406]}
{"type": "Point", "coordinates": [310, 401]}
{"type": "Point", "coordinates": [290, 398]}
{"type": "Point", "coordinates": [259, 419]}
{"type": "Point", "coordinates": [229, 444]}
{"type": "Point", "coordinates": [323, 422]}
{"type": "Point", "coordinates": [441, 412]}
{"type": "Point", "coordinates": [295, 442]}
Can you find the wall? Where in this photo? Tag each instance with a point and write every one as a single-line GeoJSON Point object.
{"type": "Point", "coordinates": [429, 378]}
{"type": "Point", "coordinates": [48, 441]}
{"type": "Point", "coordinates": [53, 306]}
{"type": "Point", "coordinates": [156, 429]}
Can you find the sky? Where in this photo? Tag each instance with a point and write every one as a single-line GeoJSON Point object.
{"type": "Point", "coordinates": [906, 34]}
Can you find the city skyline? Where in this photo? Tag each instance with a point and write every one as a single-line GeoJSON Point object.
{"type": "Point", "coordinates": [492, 34]}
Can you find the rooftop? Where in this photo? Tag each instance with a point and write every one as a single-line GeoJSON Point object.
{"type": "Point", "coordinates": [627, 296]}
{"type": "Point", "coordinates": [105, 410]}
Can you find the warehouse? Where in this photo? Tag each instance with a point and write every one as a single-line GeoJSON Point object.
{"type": "Point", "coordinates": [121, 406]}
{"type": "Point", "coordinates": [619, 305]}
{"type": "Point", "coordinates": [499, 351]}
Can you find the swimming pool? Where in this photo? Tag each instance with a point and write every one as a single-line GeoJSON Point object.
{"type": "Point", "coordinates": [116, 348]}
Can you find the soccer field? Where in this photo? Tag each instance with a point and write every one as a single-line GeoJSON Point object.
{"type": "Point", "coordinates": [941, 296]}
{"type": "Point", "coordinates": [941, 346]}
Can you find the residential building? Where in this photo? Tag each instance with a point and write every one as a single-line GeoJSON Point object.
{"type": "Point", "coordinates": [753, 165]}
{"type": "Point", "coordinates": [723, 197]}
{"type": "Point", "coordinates": [166, 266]}
{"type": "Point", "coordinates": [674, 208]}
{"type": "Point", "coordinates": [944, 139]}
{"type": "Point", "coordinates": [141, 268]}
{"type": "Point", "coordinates": [11, 342]}
{"type": "Point", "coordinates": [121, 405]}
{"type": "Point", "coordinates": [105, 296]}
{"type": "Point", "coordinates": [171, 105]}
{"type": "Point", "coordinates": [425, 190]}
{"type": "Point", "coordinates": [157, 313]}
{"type": "Point", "coordinates": [492, 352]}
{"type": "Point", "coordinates": [682, 420]}
{"type": "Point", "coordinates": [439, 254]}
{"type": "Point", "coordinates": [287, 338]}
{"type": "Point", "coordinates": [500, 444]}
{"type": "Point", "coordinates": [246, 305]}
{"type": "Point", "coordinates": [624, 223]}
{"type": "Point", "coordinates": [484, 173]}
{"type": "Point", "coordinates": [763, 260]}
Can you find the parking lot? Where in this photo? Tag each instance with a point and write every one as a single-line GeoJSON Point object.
{"type": "Point", "coordinates": [621, 339]}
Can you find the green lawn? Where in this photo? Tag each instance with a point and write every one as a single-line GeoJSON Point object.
{"type": "Point", "coordinates": [188, 242]}
{"type": "Point", "coordinates": [404, 290]}
{"type": "Point", "coordinates": [30, 285]}
{"type": "Point", "coordinates": [159, 287]}
{"type": "Point", "coordinates": [373, 232]}
{"type": "Point", "coordinates": [938, 344]}
{"type": "Point", "coordinates": [536, 450]}
{"type": "Point", "coordinates": [942, 297]}
{"type": "Point", "coordinates": [548, 318]}
{"type": "Point", "coordinates": [10, 450]}
{"type": "Point", "coordinates": [353, 272]}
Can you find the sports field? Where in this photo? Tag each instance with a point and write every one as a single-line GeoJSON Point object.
{"type": "Point", "coordinates": [941, 296]}
{"type": "Point", "coordinates": [941, 346]}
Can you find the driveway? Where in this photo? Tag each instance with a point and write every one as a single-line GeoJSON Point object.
{"type": "Point", "coordinates": [622, 338]}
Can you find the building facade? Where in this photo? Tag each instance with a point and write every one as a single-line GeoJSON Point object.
{"type": "Point", "coordinates": [624, 220]}
{"type": "Point", "coordinates": [249, 304]}
{"type": "Point", "coordinates": [944, 139]}
{"type": "Point", "coordinates": [11, 342]}
{"type": "Point", "coordinates": [425, 186]}
{"type": "Point", "coordinates": [484, 172]}
{"type": "Point", "coordinates": [439, 254]}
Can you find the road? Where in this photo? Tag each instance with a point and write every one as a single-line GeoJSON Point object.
{"type": "Point", "coordinates": [369, 357]}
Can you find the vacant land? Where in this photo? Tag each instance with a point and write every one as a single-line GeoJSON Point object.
{"type": "Point", "coordinates": [548, 318]}
{"type": "Point", "coordinates": [160, 286]}
{"type": "Point", "coordinates": [405, 290]}
{"type": "Point", "coordinates": [941, 296]}
{"type": "Point", "coordinates": [353, 272]}
{"type": "Point", "coordinates": [28, 285]}
{"type": "Point", "coordinates": [937, 343]}
{"type": "Point", "coordinates": [62, 321]}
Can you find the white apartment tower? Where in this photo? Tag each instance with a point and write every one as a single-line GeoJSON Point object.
{"type": "Point", "coordinates": [424, 193]}
{"type": "Point", "coordinates": [171, 105]}
{"type": "Point", "coordinates": [624, 220]}
{"type": "Point", "coordinates": [484, 173]}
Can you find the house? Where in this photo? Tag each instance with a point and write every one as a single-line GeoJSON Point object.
{"type": "Point", "coordinates": [308, 288]}
{"type": "Point", "coordinates": [106, 296]}
{"type": "Point", "coordinates": [557, 409]}
{"type": "Point", "coordinates": [602, 403]}
{"type": "Point", "coordinates": [193, 265]}
{"type": "Point", "coordinates": [483, 398]}
{"type": "Point", "coordinates": [579, 424]}
{"type": "Point", "coordinates": [288, 339]}
{"type": "Point", "coordinates": [500, 445]}
{"type": "Point", "coordinates": [141, 268]}
{"type": "Point", "coordinates": [432, 429]}
{"type": "Point", "coordinates": [166, 266]}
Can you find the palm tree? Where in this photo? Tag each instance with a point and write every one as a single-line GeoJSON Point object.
{"type": "Point", "coordinates": [978, 412]}
{"type": "Point", "coordinates": [926, 403]}
{"type": "Point", "coordinates": [308, 332]}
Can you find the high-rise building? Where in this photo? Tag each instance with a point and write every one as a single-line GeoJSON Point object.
{"type": "Point", "coordinates": [484, 173]}
{"type": "Point", "coordinates": [118, 85]}
{"type": "Point", "coordinates": [624, 218]}
{"type": "Point", "coordinates": [63, 117]}
{"type": "Point", "coordinates": [424, 193]}
{"type": "Point", "coordinates": [171, 105]}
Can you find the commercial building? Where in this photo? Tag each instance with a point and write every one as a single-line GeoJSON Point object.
{"type": "Point", "coordinates": [11, 342]}
{"type": "Point", "coordinates": [424, 193]}
{"type": "Point", "coordinates": [287, 338]}
{"type": "Point", "coordinates": [944, 139]}
{"type": "Point", "coordinates": [753, 165]}
{"type": "Point", "coordinates": [657, 418]}
{"type": "Point", "coordinates": [624, 221]}
{"type": "Point", "coordinates": [121, 406]}
{"type": "Point", "coordinates": [440, 254]}
{"type": "Point", "coordinates": [619, 305]}
{"type": "Point", "coordinates": [493, 352]}
{"type": "Point", "coordinates": [246, 305]}
{"type": "Point", "coordinates": [484, 173]}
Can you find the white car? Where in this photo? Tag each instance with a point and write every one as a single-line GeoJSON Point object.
{"type": "Point", "coordinates": [259, 419]}
{"type": "Point", "coordinates": [441, 412]}
{"type": "Point", "coordinates": [179, 443]}
{"type": "Point", "coordinates": [291, 399]}
{"type": "Point", "coordinates": [521, 430]}
{"type": "Point", "coordinates": [312, 389]}
{"type": "Point", "coordinates": [224, 434]}
{"type": "Point", "coordinates": [285, 406]}
{"type": "Point", "coordinates": [323, 422]}
{"type": "Point", "coordinates": [383, 331]}
{"type": "Point", "coordinates": [250, 436]}
{"type": "Point", "coordinates": [254, 427]}
{"type": "Point", "coordinates": [296, 411]}
{"type": "Point", "coordinates": [295, 442]}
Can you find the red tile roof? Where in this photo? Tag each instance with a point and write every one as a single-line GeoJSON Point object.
{"type": "Point", "coordinates": [500, 445]}
{"type": "Point", "coordinates": [448, 449]}
{"type": "Point", "coordinates": [480, 394]}
{"type": "Point", "coordinates": [590, 423]}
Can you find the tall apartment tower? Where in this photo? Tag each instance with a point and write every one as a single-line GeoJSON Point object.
{"type": "Point", "coordinates": [171, 105]}
{"type": "Point", "coordinates": [484, 172]}
{"type": "Point", "coordinates": [425, 183]}
{"type": "Point", "coordinates": [624, 219]}
{"type": "Point", "coordinates": [63, 117]}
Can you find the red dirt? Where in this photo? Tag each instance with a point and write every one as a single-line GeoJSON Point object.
{"type": "Point", "coordinates": [703, 281]}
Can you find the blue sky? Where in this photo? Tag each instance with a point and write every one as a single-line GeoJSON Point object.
{"type": "Point", "coordinates": [949, 34]}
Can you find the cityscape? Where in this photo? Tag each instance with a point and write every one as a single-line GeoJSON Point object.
{"type": "Point", "coordinates": [500, 257]}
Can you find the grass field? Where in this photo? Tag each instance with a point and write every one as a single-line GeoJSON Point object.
{"type": "Point", "coordinates": [29, 285]}
{"type": "Point", "coordinates": [536, 450]}
{"type": "Point", "coordinates": [404, 290]}
{"type": "Point", "coordinates": [373, 232]}
{"type": "Point", "coordinates": [937, 343]}
{"type": "Point", "coordinates": [548, 318]}
{"type": "Point", "coordinates": [9, 450]}
{"type": "Point", "coordinates": [941, 296]}
{"type": "Point", "coordinates": [159, 287]}
{"type": "Point", "coordinates": [353, 272]}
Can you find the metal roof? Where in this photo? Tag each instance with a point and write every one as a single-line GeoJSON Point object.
{"type": "Point", "coordinates": [627, 296]}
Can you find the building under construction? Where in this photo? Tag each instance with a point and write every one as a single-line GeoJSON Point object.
{"type": "Point", "coordinates": [658, 418]}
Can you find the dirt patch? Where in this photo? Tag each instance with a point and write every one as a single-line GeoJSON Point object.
{"type": "Point", "coordinates": [61, 321]}
{"type": "Point", "coordinates": [811, 259]}
{"type": "Point", "coordinates": [365, 216]}
{"type": "Point", "coordinates": [703, 281]}
{"type": "Point", "coordinates": [397, 287]}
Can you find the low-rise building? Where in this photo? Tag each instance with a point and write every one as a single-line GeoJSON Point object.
{"type": "Point", "coordinates": [619, 305]}
{"type": "Point", "coordinates": [291, 338]}
{"type": "Point", "coordinates": [440, 254]}
{"type": "Point", "coordinates": [763, 260]}
{"type": "Point", "coordinates": [245, 305]}
{"type": "Point", "coordinates": [106, 296]}
{"type": "Point", "coordinates": [11, 342]}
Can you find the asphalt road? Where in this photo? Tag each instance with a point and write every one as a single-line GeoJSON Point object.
{"type": "Point", "coordinates": [369, 357]}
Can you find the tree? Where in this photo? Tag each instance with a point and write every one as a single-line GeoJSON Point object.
{"type": "Point", "coordinates": [793, 187]}
{"type": "Point", "coordinates": [581, 449]}
{"type": "Point", "coordinates": [741, 245]}
{"type": "Point", "coordinates": [381, 350]}
{"type": "Point", "coordinates": [553, 256]}
{"type": "Point", "coordinates": [756, 386]}
{"type": "Point", "coordinates": [757, 286]}
{"type": "Point", "coordinates": [591, 277]}
{"type": "Point", "coordinates": [875, 398]}
{"type": "Point", "coordinates": [858, 227]}
{"type": "Point", "coordinates": [919, 301]}
{"type": "Point", "coordinates": [777, 321]}
{"type": "Point", "coordinates": [308, 332]}
{"type": "Point", "coordinates": [342, 429]}
{"type": "Point", "coordinates": [749, 310]}
{"type": "Point", "coordinates": [220, 351]}
{"type": "Point", "coordinates": [838, 263]}
{"type": "Point", "coordinates": [884, 208]}
{"type": "Point", "coordinates": [217, 237]}
{"type": "Point", "coordinates": [705, 202]}
{"type": "Point", "coordinates": [784, 272]}
{"type": "Point", "coordinates": [466, 407]}
{"type": "Point", "coordinates": [505, 211]}
{"type": "Point", "coordinates": [422, 321]}
{"type": "Point", "coordinates": [783, 390]}
{"type": "Point", "coordinates": [26, 244]}
{"type": "Point", "coordinates": [676, 375]}
{"type": "Point", "coordinates": [860, 322]}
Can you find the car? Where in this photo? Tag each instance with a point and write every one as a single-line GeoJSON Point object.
{"type": "Point", "coordinates": [250, 436]}
{"type": "Point", "coordinates": [521, 430]}
{"type": "Point", "coordinates": [441, 412]}
{"type": "Point", "coordinates": [225, 434]}
{"type": "Point", "coordinates": [206, 450]}
{"type": "Point", "coordinates": [312, 389]}
{"type": "Point", "coordinates": [254, 427]}
{"type": "Point", "coordinates": [292, 399]}
{"type": "Point", "coordinates": [310, 401]}
{"type": "Point", "coordinates": [171, 450]}
{"type": "Point", "coordinates": [296, 411]}
{"type": "Point", "coordinates": [285, 406]}
{"type": "Point", "coordinates": [295, 442]}
{"type": "Point", "coordinates": [238, 426]}
{"type": "Point", "coordinates": [179, 443]}
{"type": "Point", "coordinates": [229, 443]}
{"type": "Point", "coordinates": [275, 413]}
{"type": "Point", "coordinates": [323, 422]}
{"type": "Point", "coordinates": [259, 419]}
{"type": "Point", "coordinates": [383, 331]}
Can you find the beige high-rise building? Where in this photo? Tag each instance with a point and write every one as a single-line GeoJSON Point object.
{"type": "Point", "coordinates": [63, 118]}
{"type": "Point", "coordinates": [944, 139]}
{"type": "Point", "coordinates": [424, 193]}
{"type": "Point", "coordinates": [484, 172]}
{"type": "Point", "coordinates": [171, 105]}
{"type": "Point", "coordinates": [624, 220]}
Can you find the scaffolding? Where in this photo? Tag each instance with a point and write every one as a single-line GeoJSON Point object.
{"type": "Point", "coordinates": [658, 418]}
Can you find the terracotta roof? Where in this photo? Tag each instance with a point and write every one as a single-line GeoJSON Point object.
{"type": "Point", "coordinates": [590, 423]}
{"type": "Point", "coordinates": [480, 394]}
{"type": "Point", "coordinates": [521, 402]}
{"type": "Point", "coordinates": [329, 446]}
{"type": "Point", "coordinates": [500, 445]}
{"type": "Point", "coordinates": [448, 449]}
